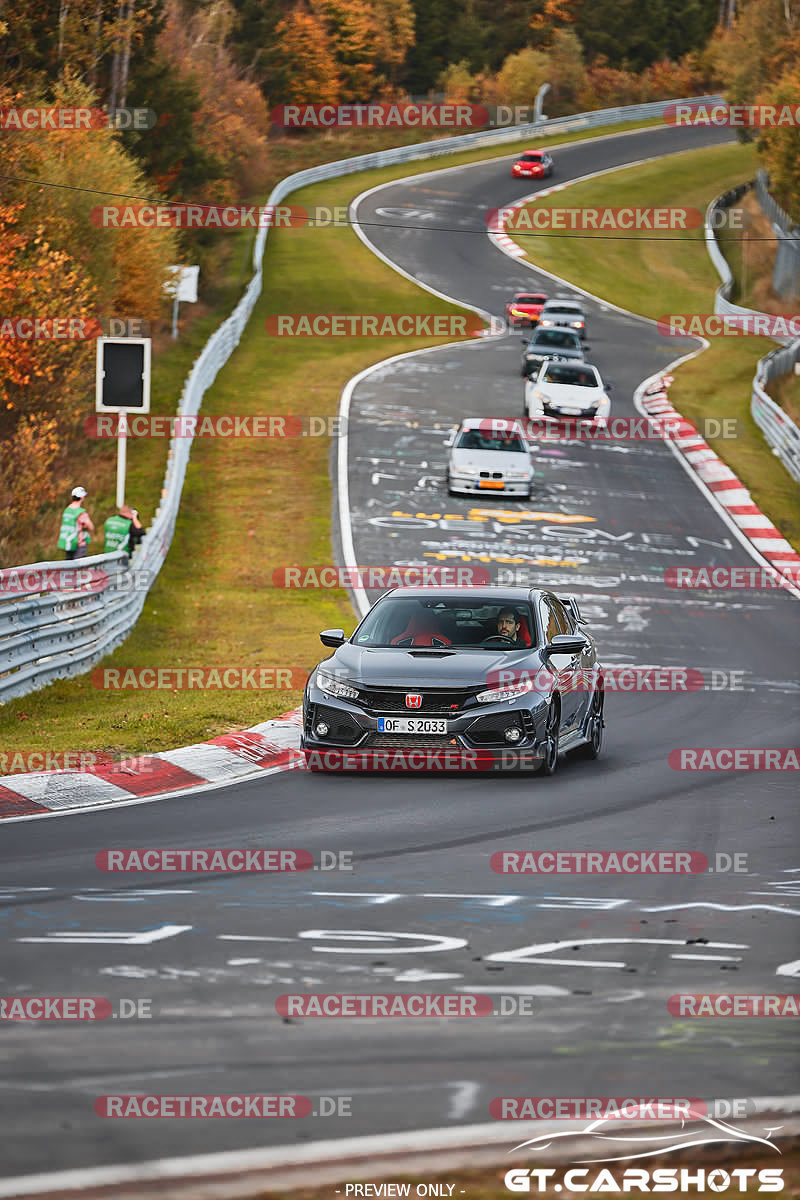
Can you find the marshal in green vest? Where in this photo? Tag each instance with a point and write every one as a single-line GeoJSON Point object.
{"type": "Point", "coordinates": [68, 534]}
{"type": "Point", "coordinates": [117, 532]}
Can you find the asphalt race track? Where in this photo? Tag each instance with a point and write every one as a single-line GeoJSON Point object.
{"type": "Point", "coordinates": [594, 957]}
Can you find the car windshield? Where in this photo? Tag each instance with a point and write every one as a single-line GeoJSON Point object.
{"type": "Point", "coordinates": [567, 374]}
{"type": "Point", "coordinates": [473, 439]}
{"type": "Point", "coordinates": [532, 157]}
{"type": "Point", "coordinates": [529, 299]}
{"type": "Point", "coordinates": [562, 310]}
{"type": "Point", "coordinates": [561, 338]}
{"type": "Point", "coordinates": [453, 623]}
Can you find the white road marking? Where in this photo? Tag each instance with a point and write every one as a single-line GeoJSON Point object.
{"type": "Point", "coordinates": [141, 937]}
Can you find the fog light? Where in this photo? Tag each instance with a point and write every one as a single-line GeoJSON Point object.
{"type": "Point", "coordinates": [321, 729]}
{"type": "Point", "coordinates": [512, 734]}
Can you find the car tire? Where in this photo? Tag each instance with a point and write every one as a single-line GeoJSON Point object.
{"type": "Point", "coordinates": [596, 724]}
{"type": "Point", "coordinates": [549, 764]}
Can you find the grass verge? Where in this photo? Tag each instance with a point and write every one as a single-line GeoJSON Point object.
{"type": "Point", "coordinates": [657, 273]}
{"type": "Point", "coordinates": [248, 506]}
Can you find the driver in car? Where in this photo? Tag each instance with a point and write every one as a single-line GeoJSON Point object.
{"type": "Point", "coordinates": [508, 626]}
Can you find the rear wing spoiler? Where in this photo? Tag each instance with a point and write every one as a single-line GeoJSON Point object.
{"type": "Point", "coordinates": [571, 603]}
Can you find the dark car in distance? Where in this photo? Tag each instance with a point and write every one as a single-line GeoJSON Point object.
{"type": "Point", "coordinates": [550, 343]}
{"type": "Point", "coordinates": [507, 673]}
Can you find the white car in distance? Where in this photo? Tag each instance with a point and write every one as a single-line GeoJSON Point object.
{"type": "Point", "coordinates": [488, 456]}
{"type": "Point", "coordinates": [567, 389]}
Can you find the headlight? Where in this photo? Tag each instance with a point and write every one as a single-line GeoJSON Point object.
{"type": "Point", "coordinates": [537, 395]}
{"type": "Point", "coordinates": [576, 324]}
{"type": "Point", "coordinates": [332, 687]}
{"type": "Point", "coordinates": [496, 695]}
{"type": "Point", "coordinates": [546, 321]}
{"type": "Point", "coordinates": [518, 473]}
{"type": "Point", "coordinates": [469, 471]}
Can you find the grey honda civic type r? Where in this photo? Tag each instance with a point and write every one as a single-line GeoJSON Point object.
{"type": "Point", "coordinates": [498, 678]}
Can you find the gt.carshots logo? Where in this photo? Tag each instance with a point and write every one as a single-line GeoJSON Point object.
{"type": "Point", "coordinates": [639, 1179]}
{"type": "Point", "coordinates": [359, 325]}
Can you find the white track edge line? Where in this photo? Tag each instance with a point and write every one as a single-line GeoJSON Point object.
{"type": "Point", "coordinates": [332, 1151]}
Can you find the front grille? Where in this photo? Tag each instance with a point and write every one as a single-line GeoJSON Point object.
{"type": "Point", "coordinates": [342, 729]}
{"type": "Point", "coordinates": [432, 702]}
{"type": "Point", "coordinates": [491, 474]}
{"type": "Point", "coordinates": [554, 412]}
{"type": "Point", "coordinates": [401, 741]}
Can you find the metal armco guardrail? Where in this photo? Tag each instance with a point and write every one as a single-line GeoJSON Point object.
{"type": "Point", "coordinates": [52, 636]}
{"type": "Point", "coordinates": [786, 272]}
{"type": "Point", "coordinates": [776, 425]}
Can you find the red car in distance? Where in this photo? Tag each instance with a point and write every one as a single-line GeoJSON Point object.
{"type": "Point", "coordinates": [532, 164]}
{"type": "Point", "coordinates": [524, 309]}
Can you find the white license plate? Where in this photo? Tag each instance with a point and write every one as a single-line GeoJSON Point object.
{"type": "Point", "coordinates": [570, 412]}
{"type": "Point", "coordinates": [412, 725]}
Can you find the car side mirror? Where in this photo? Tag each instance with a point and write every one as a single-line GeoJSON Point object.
{"type": "Point", "coordinates": [566, 643]}
{"type": "Point", "coordinates": [332, 637]}
{"type": "Point", "coordinates": [608, 386]}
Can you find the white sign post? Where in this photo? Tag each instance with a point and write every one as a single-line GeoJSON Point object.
{"type": "Point", "coordinates": [122, 385]}
{"type": "Point", "coordinates": [181, 286]}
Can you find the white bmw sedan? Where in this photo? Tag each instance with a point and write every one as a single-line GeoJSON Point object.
{"type": "Point", "coordinates": [489, 456]}
{"type": "Point", "coordinates": [567, 389]}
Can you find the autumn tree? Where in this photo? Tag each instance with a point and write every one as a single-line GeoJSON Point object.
{"type": "Point", "coordinates": [779, 147]}
{"type": "Point", "coordinates": [307, 72]}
